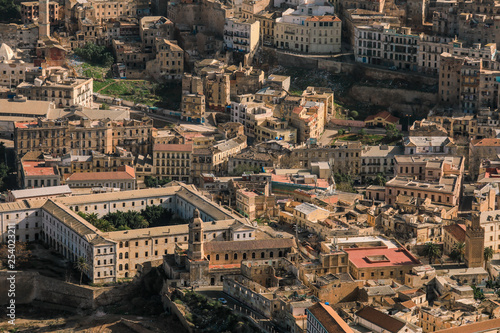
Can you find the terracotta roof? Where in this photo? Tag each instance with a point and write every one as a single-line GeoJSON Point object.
{"type": "Point", "coordinates": [172, 147]}
{"type": "Point", "coordinates": [384, 115]}
{"type": "Point", "coordinates": [457, 231]}
{"type": "Point", "coordinates": [361, 257]}
{"type": "Point", "coordinates": [324, 18]}
{"type": "Point", "coordinates": [380, 319]}
{"type": "Point", "coordinates": [258, 244]}
{"type": "Point", "coordinates": [124, 172]}
{"type": "Point", "coordinates": [482, 326]}
{"type": "Point", "coordinates": [487, 142]}
{"type": "Point", "coordinates": [35, 168]}
{"type": "Point", "coordinates": [329, 319]}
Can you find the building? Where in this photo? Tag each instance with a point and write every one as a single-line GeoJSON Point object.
{"type": "Point", "coordinates": [30, 12]}
{"type": "Point", "coordinates": [379, 44]}
{"type": "Point", "coordinates": [38, 193]}
{"type": "Point", "coordinates": [173, 161]}
{"type": "Point", "coordinates": [153, 28]}
{"type": "Point", "coordinates": [452, 235]}
{"type": "Point", "coordinates": [311, 28]}
{"type": "Point", "coordinates": [475, 242]}
{"type": "Point", "coordinates": [309, 121]}
{"type": "Point", "coordinates": [36, 174]}
{"type": "Point", "coordinates": [123, 178]}
{"type": "Point", "coordinates": [379, 322]}
{"type": "Point", "coordinates": [321, 318]}
{"type": "Point", "coordinates": [381, 119]}
{"type": "Point", "coordinates": [378, 160]}
{"type": "Point", "coordinates": [169, 61]}
{"type": "Point", "coordinates": [241, 35]}
{"type": "Point", "coordinates": [193, 108]}
{"type": "Point", "coordinates": [58, 88]}
{"type": "Point", "coordinates": [429, 145]}
{"type": "Point", "coordinates": [479, 149]}
{"type": "Point", "coordinates": [308, 216]}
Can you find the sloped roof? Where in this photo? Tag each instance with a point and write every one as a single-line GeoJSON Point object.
{"type": "Point", "coordinates": [380, 319]}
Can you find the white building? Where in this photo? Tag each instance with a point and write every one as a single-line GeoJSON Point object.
{"type": "Point", "coordinates": [241, 35]}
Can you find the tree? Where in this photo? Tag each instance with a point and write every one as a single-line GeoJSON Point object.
{"type": "Point", "coordinates": [95, 54]}
{"type": "Point", "coordinates": [241, 169]}
{"type": "Point", "coordinates": [392, 132]}
{"type": "Point", "coordinates": [341, 132]}
{"type": "Point", "coordinates": [157, 215]}
{"type": "Point", "coordinates": [380, 180]}
{"type": "Point", "coordinates": [81, 265]}
{"type": "Point", "coordinates": [150, 181]}
{"type": "Point", "coordinates": [9, 11]}
{"type": "Point", "coordinates": [432, 251]}
{"type": "Point", "coordinates": [487, 254]}
{"type": "Point", "coordinates": [478, 293]}
{"type": "Point", "coordinates": [354, 114]}
{"type": "Point", "coordinates": [362, 133]}
{"type": "Point", "coordinates": [459, 248]}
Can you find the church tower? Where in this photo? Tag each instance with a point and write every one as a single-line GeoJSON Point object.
{"type": "Point", "coordinates": [195, 247]}
{"type": "Point", "coordinates": [474, 242]}
{"type": "Point", "coordinates": [43, 19]}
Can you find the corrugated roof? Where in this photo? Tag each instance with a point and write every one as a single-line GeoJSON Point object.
{"type": "Point", "coordinates": [42, 191]}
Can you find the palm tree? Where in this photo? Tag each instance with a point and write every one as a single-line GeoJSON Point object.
{"type": "Point", "coordinates": [81, 265]}
{"type": "Point", "coordinates": [460, 248]}
{"type": "Point", "coordinates": [487, 254]}
{"type": "Point", "coordinates": [431, 251]}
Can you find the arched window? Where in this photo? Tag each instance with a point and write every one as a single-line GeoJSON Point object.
{"type": "Point", "coordinates": [226, 257]}
{"type": "Point", "coordinates": [271, 254]}
{"type": "Point", "coordinates": [126, 255]}
{"type": "Point", "coordinates": [120, 256]}
{"type": "Point", "coordinates": [126, 244]}
{"type": "Point", "coordinates": [121, 244]}
{"type": "Point", "coordinates": [244, 256]}
{"type": "Point", "coordinates": [262, 254]}
{"type": "Point", "coordinates": [120, 267]}
{"type": "Point", "coordinates": [235, 256]}
{"type": "Point", "coordinates": [126, 267]}
{"type": "Point", "coordinates": [253, 255]}
{"type": "Point", "coordinates": [216, 257]}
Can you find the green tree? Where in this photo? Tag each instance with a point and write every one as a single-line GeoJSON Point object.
{"type": "Point", "coordinates": [380, 180]}
{"type": "Point", "coordinates": [157, 215]}
{"type": "Point", "coordinates": [241, 169]}
{"type": "Point", "coordinates": [459, 248]}
{"type": "Point", "coordinates": [150, 181]}
{"type": "Point", "coordinates": [9, 11]}
{"type": "Point", "coordinates": [354, 114]}
{"type": "Point", "coordinates": [392, 132]}
{"type": "Point", "coordinates": [341, 132]}
{"type": "Point", "coordinates": [432, 251]}
{"type": "Point", "coordinates": [81, 265]}
{"type": "Point", "coordinates": [478, 293]}
{"type": "Point", "coordinates": [361, 133]}
{"type": "Point", "coordinates": [487, 255]}
{"type": "Point", "coordinates": [98, 55]}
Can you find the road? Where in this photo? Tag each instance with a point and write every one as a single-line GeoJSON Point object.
{"type": "Point", "coordinates": [327, 136]}
{"type": "Point", "coordinates": [215, 293]}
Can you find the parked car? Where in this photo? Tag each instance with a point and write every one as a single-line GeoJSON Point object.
{"type": "Point", "coordinates": [222, 300]}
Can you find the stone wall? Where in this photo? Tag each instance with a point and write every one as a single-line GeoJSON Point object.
{"type": "Point", "coordinates": [402, 100]}
{"type": "Point", "coordinates": [33, 287]}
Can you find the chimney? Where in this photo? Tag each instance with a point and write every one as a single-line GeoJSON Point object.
{"type": "Point", "coordinates": [43, 22]}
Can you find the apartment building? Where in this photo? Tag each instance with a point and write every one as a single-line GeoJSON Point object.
{"type": "Point", "coordinates": [430, 49]}
{"type": "Point", "coordinates": [313, 30]}
{"type": "Point", "coordinates": [309, 120]}
{"type": "Point", "coordinates": [173, 161]}
{"type": "Point", "coordinates": [30, 12]}
{"type": "Point", "coordinates": [429, 145]}
{"type": "Point", "coordinates": [378, 160]}
{"type": "Point", "coordinates": [152, 28]}
{"type": "Point", "coordinates": [193, 108]}
{"type": "Point", "coordinates": [241, 35]}
{"type": "Point", "coordinates": [379, 44]}
{"type": "Point", "coordinates": [321, 95]}
{"type": "Point", "coordinates": [36, 174]}
{"type": "Point", "coordinates": [168, 63]}
{"type": "Point", "coordinates": [81, 137]}
{"type": "Point", "coordinates": [57, 87]}
{"type": "Point", "coordinates": [275, 129]}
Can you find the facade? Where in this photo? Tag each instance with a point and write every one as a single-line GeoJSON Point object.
{"type": "Point", "coordinates": [429, 145]}
{"type": "Point", "coordinates": [169, 61]}
{"type": "Point", "coordinates": [309, 121]}
{"type": "Point", "coordinates": [36, 174]}
{"type": "Point", "coordinates": [378, 160]}
{"type": "Point", "coordinates": [241, 35]}
{"type": "Point", "coordinates": [123, 178]}
{"type": "Point", "coordinates": [321, 318]}
{"type": "Point", "coordinates": [30, 12]}
{"type": "Point", "coordinates": [318, 34]}
{"type": "Point", "coordinates": [173, 161]}
{"type": "Point", "coordinates": [193, 108]}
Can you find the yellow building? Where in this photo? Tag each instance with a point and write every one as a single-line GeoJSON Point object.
{"type": "Point", "coordinates": [173, 161]}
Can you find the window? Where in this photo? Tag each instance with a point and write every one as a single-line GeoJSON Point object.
{"type": "Point", "coordinates": [137, 255]}
{"type": "Point", "coordinates": [226, 257]}
{"type": "Point", "coordinates": [126, 255]}
{"type": "Point", "coordinates": [216, 257]}
{"type": "Point", "coordinates": [262, 254]}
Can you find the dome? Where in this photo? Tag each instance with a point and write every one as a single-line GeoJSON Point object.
{"type": "Point", "coordinates": [6, 52]}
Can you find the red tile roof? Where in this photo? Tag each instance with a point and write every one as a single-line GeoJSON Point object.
{"type": "Point", "coordinates": [329, 319]}
{"type": "Point", "coordinates": [487, 142]}
{"type": "Point", "coordinates": [324, 18]}
{"type": "Point", "coordinates": [173, 147]}
{"type": "Point", "coordinates": [457, 231]}
{"type": "Point", "coordinates": [384, 115]}
{"type": "Point", "coordinates": [123, 173]}
{"type": "Point", "coordinates": [38, 168]}
{"type": "Point", "coordinates": [482, 326]}
{"type": "Point", "coordinates": [380, 319]}
{"type": "Point", "coordinates": [393, 257]}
